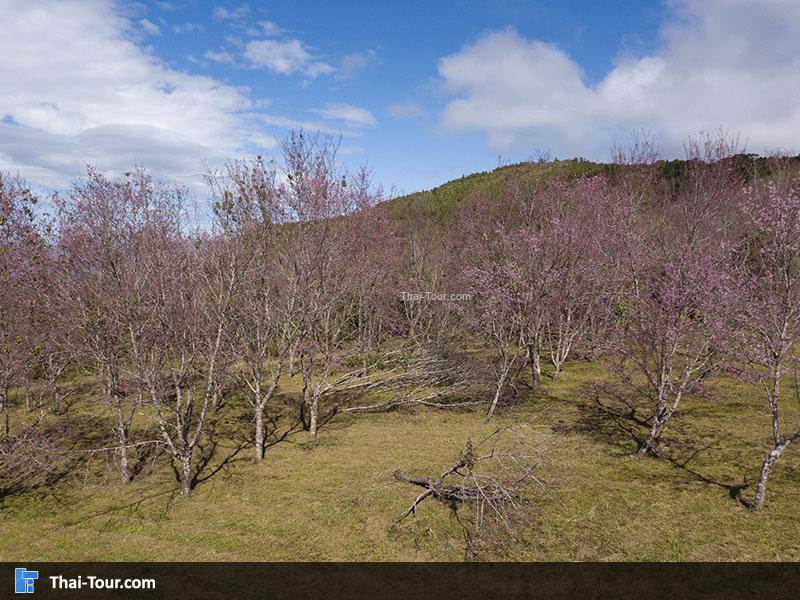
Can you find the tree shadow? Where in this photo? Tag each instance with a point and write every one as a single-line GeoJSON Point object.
{"type": "Point", "coordinates": [611, 426]}
{"type": "Point", "coordinates": [208, 452]}
{"type": "Point", "coordinates": [620, 427]}
{"type": "Point", "coordinates": [734, 489]}
{"type": "Point", "coordinates": [43, 453]}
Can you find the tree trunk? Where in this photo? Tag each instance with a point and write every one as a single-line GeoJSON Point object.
{"type": "Point", "coordinates": [58, 400]}
{"type": "Point", "coordinates": [313, 413]}
{"type": "Point", "coordinates": [122, 437]}
{"type": "Point", "coordinates": [536, 366]}
{"type": "Point", "coordinates": [306, 403]}
{"type": "Point", "coordinates": [558, 356]}
{"type": "Point", "coordinates": [656, 429]}
{"type": "Point", "coordinates": [186, 474]}
{"type": "Point", "coordinates": [259, 433]}
{"type": "Point", "coordinates": [123, 464]}
{"type": "Point", "coordinates": [557, 370]}
{"type": "Point", "coordinates": [766, 467]}
{"type": "Point", "coordinates": [4, 410]}
{"type": "Point", "coordinates": [292, 351]}
{"type": "Point", "coordinates": [500, 384]}
{"type": "Point", "coordinates": [310, 407]}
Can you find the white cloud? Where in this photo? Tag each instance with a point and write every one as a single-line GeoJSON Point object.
{"type": "Point", "coordinates": [307, 125]}
{"type": "Point", "coordinates": [188, 28]}
{"type": "Point", "coordinates": [78, 88]}
{"type": "Point", "coordinates": [349, 115]}
{"type": "Point", "coordinates": [172, 6]}
{"type": "Point", "coordinates": [269, 28]}
{"type": "Point", "coordinates": [314, 69]}
{"type": "Point", "coordinates": [722, 63]}
{"type": "Point", "coordinates": [352, 64]}
{"type": "Point", "coordinates": [220, 56]}
{"type": "Point", "coordinates": [149, 27]}
{"type": "Point", "coordinates": [222, 13]}
{"type": "Point", "coordinates": [406, 110]}
{"type": "Point", "coordinates": [52, 160]}
{"type": "Point", "coordinates": [285, 57]}
{"type": "Point", "coordinates": [333, 119]}
{"type": "Point", "coordinates": [266, 48]}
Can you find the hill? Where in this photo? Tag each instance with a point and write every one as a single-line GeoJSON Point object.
{"type": "Point", "coordinates": [443, 201]}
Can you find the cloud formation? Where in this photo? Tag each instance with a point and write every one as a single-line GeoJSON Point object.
{"type": "Point", "coordinates": [721, 63]}
{"type": "Point", "coordinates": [285, 57]}
{"type": "Point", "coordinates": [349, 115]}
{"type": "Point", "coordinates": [222, 57]}
{"type": "Point", "coordinates": [75, 87]}
{"type": "Point", "coordinates": [351, 65]}
{"type": "Point", "coordinates": [149, 27]}
{"type": "Point", "coordinates": [222, 13]}
{"type": "Point", "coordinates": [406, 110]}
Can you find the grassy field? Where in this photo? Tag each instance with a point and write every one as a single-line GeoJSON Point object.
{"type": "Point", "coordinates": [334, 498]}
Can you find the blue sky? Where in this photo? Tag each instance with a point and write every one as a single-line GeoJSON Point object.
{"type": "Point", "coordinates": [421, 92]}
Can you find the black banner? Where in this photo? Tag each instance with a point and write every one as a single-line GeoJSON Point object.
{"type": "Point", "coordinates": [643, 581]}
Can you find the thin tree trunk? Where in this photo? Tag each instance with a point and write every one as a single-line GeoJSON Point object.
{"type": "Point", "coordinates": [500, 384]}
{"type": "Point", "coordinates": [662, 413]}
{"type": "Point", "coordinates": [305, 405]}
{"type": "Point", "coordinates": [660, 418]}
{"type": "Point", "coordinates": [186, 473]}
{"type": "Point", "coordinates": [534, 359]}
{"type": "Point", "coordinates": [292, 351]}
{"type": "Point", "coordinates": [122, 437]}
{"type": "Point", "coordinates": [57, 399]}
{"type": "Point", "coordinates": [779, 444]}
{"type": "Point", "coordinates": [560, 356]}
{"type": "Point", "coordinates": [656, 429]}
{"type": "Point", "coordinates": [766, 468]}
{"type": "Point", "coordinates": [4, 410]}
{"type": "Point", "coordinates": [313, 414]}
{"type": "Point", "coordinates": [259, 432]}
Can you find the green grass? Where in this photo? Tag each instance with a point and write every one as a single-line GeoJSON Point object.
{"type": "Point", "coordinates": [334, 498]}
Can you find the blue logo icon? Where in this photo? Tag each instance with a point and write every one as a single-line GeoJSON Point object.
{"type": "Point", "coordinates": [24, 580]}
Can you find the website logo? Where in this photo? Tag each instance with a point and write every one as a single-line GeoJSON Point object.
{"type": "Point", "coordinates": [24, 580]}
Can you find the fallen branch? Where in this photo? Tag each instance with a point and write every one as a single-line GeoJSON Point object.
{"type": "Point", "coordinates": [423, 401]}
{"type": "Point", "coordinates": [494, 493]}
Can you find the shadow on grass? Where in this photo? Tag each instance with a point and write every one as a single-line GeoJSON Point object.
{"type": "Point", "coordinates": [621, 427]}
{"type": "Point", "coordinates": [44, 453]}
{"type": "Point", "coordinates": [734, 489]}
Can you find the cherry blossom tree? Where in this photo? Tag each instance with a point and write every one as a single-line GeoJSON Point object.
{"type": "Point", "coordinates": [493, 311]}
{"type": "Point", "coordinates": [105, 229]}
{"type": "Point", "coordinates": [316, 194]}
{"type": "Point", "coordinates": [372, 252]}
{"type": "Point", "coordinates": [263, 325]}
{"type": "Point", "coordinates": [766, 265]}
{"type": "Point", "coordinates": [539, 263]}
{"type": "Point", "coordinates": [21, 254]}
{"type": "Point", "coordinates": [669, 334]}
{"type": "Point", "coordinates": [183, 360]}
{"type": "Point", "coordinates": [670, 320]}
